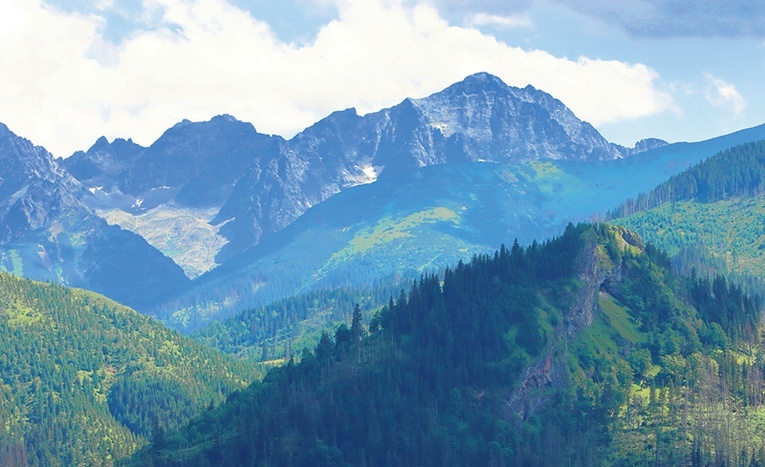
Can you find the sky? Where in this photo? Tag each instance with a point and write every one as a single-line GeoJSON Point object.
{"type": "Point", "coordinates": [74, 70]}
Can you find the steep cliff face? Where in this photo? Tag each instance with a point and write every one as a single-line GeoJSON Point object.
{"type": "Point", "coordinates": [33, 188]}
{"type": "Point", "coordinates": [597, 269]}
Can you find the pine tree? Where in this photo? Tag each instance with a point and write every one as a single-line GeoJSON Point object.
{"type": "Point", "coordinates": [357, 328]}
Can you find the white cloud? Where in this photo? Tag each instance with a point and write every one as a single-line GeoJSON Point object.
{"type": "Point", "coordinates": [504, 22]}
{"type": "Point", "coordinates": [721, 94]}
{"type": "Point", "coordinates": [73, 86]}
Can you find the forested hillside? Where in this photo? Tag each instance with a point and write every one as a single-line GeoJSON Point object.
{"type": "Point", "coordinates": [84, 381]}
{"type": "Point", "coordinates": [711, 217]}
{"type": "Point", "coordinates": [586, 349]}
{"type": "Point", "coordinates": [274, 332]}
{"type": "Point", "coordinates": [735, 172]}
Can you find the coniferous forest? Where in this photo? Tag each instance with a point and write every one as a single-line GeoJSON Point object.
{"type": "Point", "coordinates": [586, 349]}
{"type": "Point", "coordinates": [710, 217]}
{"type": "Point", "coordinates": [85, 381]}
{"type": "Point", "coordinates": [736, 172]}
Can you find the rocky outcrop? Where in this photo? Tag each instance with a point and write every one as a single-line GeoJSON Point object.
{"type": "Point", "coordinates": [551, 371]}
{"type": "Point", "coordinates": [642, 146]}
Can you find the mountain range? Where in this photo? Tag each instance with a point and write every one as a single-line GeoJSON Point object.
{"type": "Point", "coordinates": [519, 331]}
{"type": "Point", "coordinates": [220, 217]}
{"type": "Point", "coordinates": [227, 187]}
{"type": "Point", "coordinates": [428, 218]}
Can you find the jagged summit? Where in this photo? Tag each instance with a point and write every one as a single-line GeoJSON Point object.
{"type": "Point", "coordinates": [648, 144]}
{"type": "Point", "coordinates": [48, 232]}
{"type": "Point", "coordinates": [182, 123]}
{"type": "Point", "coordinates": [205, 191]}
{"type": "Point", "coordinates": [502, 123]}
{"type": "Point", "coordinates": [225, 118]}
{"type": "Point", "coordinates": [100, 142]}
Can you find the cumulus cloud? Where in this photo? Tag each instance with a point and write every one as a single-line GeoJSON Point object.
{"type": "Point", "coordinates": [208, 57]}
{"type": "Point", "coordinates": [721, 94]}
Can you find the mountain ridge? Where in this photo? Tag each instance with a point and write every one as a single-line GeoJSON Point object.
{"type": "Point", "coordinates": [207, 193]}
{"type": "Point", "coordinates": [478, 118]}
{"type": "Point", "coordinates": [422, 220]}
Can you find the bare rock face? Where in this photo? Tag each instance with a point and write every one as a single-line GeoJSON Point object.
{"type": "Point", "coordinates": [178, 183]}
{"type": "Point", "coordinates": [595, 271]}
{"type": "Point", "coordinates": [33, 188]}
{"type": "Point", "coordinates": [48, 232]}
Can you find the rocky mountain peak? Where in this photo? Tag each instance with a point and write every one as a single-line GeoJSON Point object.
{"type": "Point", "coordinates": [182, 123]}
{"type": "Point", "coordinates": [337, 122]}
{"type": "Point", "coordinates": [100, 144]}
{"type": "Point", "coordinates": [21, 162]}
{"type": "Point", "coordinates": [648, 144]}
{"type": "Point", "coordinates": [32, 187]}
{"type": "Point", "coordinates": [245, 186]}
{"type": "Point", "coordinates": [103, 161]}
{"type": "Point", "coordinates": [481, 81]}
{"type": "Point", "coordinates": [224, 118]}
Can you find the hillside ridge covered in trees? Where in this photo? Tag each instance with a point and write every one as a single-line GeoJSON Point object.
{"type": "Point", "coordinates": [85, 381]}
{"type": "Point", "coordinates": [710, 217]}
{"type": "Point", "coordinates": [588, 342]}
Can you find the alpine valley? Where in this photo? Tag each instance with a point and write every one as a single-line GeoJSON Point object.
{"type": "Point", "coordinates": [434, 283]}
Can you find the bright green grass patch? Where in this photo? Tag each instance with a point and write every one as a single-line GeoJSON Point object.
{"type": "Point", "coordinates": [390, 229]}
{"type": "Point", "coordinates": [594, 345]}
{"type": "Point", "coordinates": [598, 338]}
{"type": "Point", "coordinates": [641, 391]}
{"type": "Point", "coordinates": [620, 319]}
{"type": "Point", "coordinates": [546, 169]}
{"type": "Point", "coordinates": [20, 314]}
{"type": "Point", "coordinates": [84, 375]}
